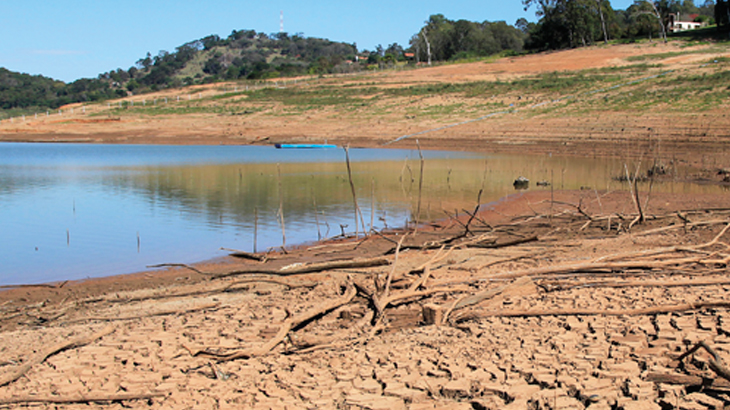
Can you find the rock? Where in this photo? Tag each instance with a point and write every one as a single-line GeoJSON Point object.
{"type": "Point", "coordinates": [521, 183]}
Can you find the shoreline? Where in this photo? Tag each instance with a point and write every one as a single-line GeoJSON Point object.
{"type": "Point", "coordinates": [538, 270]}
{"type": "Point", "coordinates": [223, 260]}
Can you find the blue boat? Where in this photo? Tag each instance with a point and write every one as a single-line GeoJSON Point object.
{"type": "Point", "coordinates": [305, 146]}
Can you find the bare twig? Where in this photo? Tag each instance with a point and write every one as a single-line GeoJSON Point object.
{"type": "Point", "coordinates": [40, 357]}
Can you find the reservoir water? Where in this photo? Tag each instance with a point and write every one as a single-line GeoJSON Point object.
{"type": "Point", "coordinates": [74, 211]}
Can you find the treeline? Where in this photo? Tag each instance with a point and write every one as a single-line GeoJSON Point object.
{"type": "Point", "coordinates": [442, 39]}
{"type": "Point", "coordinates": [576, 23]}
{"type": "Point", "coordinates": [24, 91]}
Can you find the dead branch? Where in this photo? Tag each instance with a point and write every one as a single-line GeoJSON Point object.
{"type": "Point", "coordinates": [671, 249]}
{"type": "Point", "coordinates": [227, 288]}
{"type": "Point", "coordinates": [296, 269]}
{"type": "Point", "coordinates": [558, 286]}
{"type": "Point", "coordinates": [246, 255]}
{"type": "Point", "coordinates": [487, 294]}
{"type": "Point", "coordinates": [686, 380]}
{"type": "Point", "coordinates": [206, 306]}
{"type": "Point", "coordinates": [290, 324]}
{"type": "Point", "coordinates": [715, 362]}
{"type": "Point", "coordinates": [653, 310]}
{"type": "Point", "coordinates": [40, 357]}
{"type": "Point", "coordinates": [590, 267]}
{"type": "Point", "coordinates": [512, 259]}
{"type": "Point", "coordinates": [87, 398]}
{"type": "Point", "coordinates": [504, 244]}
{"type": "Point", "coordinates": [40, 285]}
{"type": "Point", "coordinates": [672, 227]}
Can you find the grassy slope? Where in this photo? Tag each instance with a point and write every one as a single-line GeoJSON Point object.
{"type": "Point", "coordinates": [703, 84]}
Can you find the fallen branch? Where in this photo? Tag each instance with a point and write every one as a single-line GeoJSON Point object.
{"type": "Point", "coordinates": [153, 314]}
{"type": "Point", "coordinates": [504, 244]}
{"type": "Point", "coordinates": [672, 227]}
{"type": "Point", "coordinates": [246, 255]}
{"type": "Point", "coordinates": [87, 398]}
{"type": "Point", "coordinates": [290, 324]}
{"type": "Point", "coordinates": [593, 266]}
{"type": "Point", "coordinates": [296, 269]}
{"type": "Point", "coordinates": [686, 380]}
{"type": "Point", "coordinates": [227, 288]}
{"type": "Point", "coordinates": [715, 362]}
{"type": "Point", "coordinates": [40, 285]}
{"type": "Point", "coordinates": [40, 357]}
{"type": "Point", "coordinates": [685, 307]}
{"type": "Point", "coordinates": [551, 287]}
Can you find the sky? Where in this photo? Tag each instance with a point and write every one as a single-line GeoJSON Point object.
{"type": "Point", "coordinates": [72, 39]}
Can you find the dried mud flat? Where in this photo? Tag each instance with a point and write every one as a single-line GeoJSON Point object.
{"type": "Point", "coordinates": [568, 303]}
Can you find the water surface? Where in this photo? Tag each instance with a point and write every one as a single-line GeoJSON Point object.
{"type": "Point", "coordinates": [85, 210]}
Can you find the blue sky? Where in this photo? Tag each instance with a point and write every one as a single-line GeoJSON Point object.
{"type": "Point", "coordinates": [68, 40]}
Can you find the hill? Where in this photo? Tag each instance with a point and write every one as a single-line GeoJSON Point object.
{"type": "Point", "coordinates": [244, 54]}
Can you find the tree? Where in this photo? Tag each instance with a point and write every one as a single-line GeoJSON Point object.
{"type": "Point", "coordinates": [569, 23]}
{"type": "Point", "coordinates": [395, 50]}
{"type": "Point", "coordinates": [145, 63]}
{"type": "Point", "coordinates": [428, 44]}
{"type": "Point", "coordinates": [722, 14]}
{"type": "Point", "coordinates": [656, 6]}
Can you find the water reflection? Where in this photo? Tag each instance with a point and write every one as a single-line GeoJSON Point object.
{"type": "Point", "coordinates": [76, 211]}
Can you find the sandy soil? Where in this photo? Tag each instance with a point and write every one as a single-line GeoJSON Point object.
{"type": "Point", "coordinates": [571, 302]}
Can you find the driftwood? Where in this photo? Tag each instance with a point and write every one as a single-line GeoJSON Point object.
{"type": "Point", "coordinates": [227, 288]}
{"type": "Point", "coordinates": [40, 285]}
{"type": "Point", "coordinates": [715, 362]}
{"type": "Point", "coordinates": [246, 255]}
{"type": "Point", "coordinates": [687, 380]}
{"type": "Point", "coordinates": [206, 306]}
{"type": "Point", "coordinates": [40, 357]}
{"type": "Point", "coordinates": [559, 286]}
{"type": "Point", "coordinates": [290, 324]}
{"type": "Point", "coordinates": [296, 269]}
{"type": "Point", "coordinates": [653, 310]}
{"type": "Point", "coordinates": [504, 244]}
{"type": "Point", "coordinates": [672, 227]}
{"type": "Point", "coordinates": [85, 398]}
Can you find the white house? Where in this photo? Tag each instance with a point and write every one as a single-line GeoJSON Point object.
{"type": "Point", "coordinates": [677, 24]}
